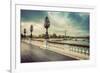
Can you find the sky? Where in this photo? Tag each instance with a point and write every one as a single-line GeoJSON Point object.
{"type": "Point", "coordinates": [73, 23]}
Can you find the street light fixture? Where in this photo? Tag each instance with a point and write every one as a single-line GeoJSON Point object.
{"type": "Point", "coordinates": [31, 30]}
{"type": "Point", "coordinates": [46, 25]}
{"type": "Point", "coordinates": [24, 32]}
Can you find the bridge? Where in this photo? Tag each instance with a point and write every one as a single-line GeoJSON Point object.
{"type": "Point", "coordinates": [54, 51]}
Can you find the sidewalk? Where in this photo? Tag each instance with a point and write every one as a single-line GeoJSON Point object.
{"type": "Point", "coordinates": [59, 49]}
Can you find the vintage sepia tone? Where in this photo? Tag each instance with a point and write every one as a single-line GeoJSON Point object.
{"type": "Point", "coordinates": [54, 36]}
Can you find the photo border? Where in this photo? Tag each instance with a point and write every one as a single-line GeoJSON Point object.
{"type": "Point", "coordinates": [14, 60]}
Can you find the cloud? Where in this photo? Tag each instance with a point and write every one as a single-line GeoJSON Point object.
{"type": "Point", "coordinates": [61, 22]}
{"type": "Point", "coordinates": [74, 23]}
{"type": "Point", "coordinates": [37, 28]}
{"type": "Point", "coordinates": [30, 15]}
{"type": "Point", "coordinates": [81, 20]}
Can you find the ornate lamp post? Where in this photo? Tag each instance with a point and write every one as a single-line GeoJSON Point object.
{"type": "Point", "coordinates": [31, 30]}
{"type": "Point", "coordinates": [24, 32]}
{"type": "Point", "coordinates": [46, 25]}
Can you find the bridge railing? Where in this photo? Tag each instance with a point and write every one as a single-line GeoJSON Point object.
{"type": "Point", "coordinates": [79, 49]}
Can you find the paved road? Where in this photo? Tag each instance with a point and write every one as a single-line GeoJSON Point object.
{"type": "Point", "coordinates": [32, 53]}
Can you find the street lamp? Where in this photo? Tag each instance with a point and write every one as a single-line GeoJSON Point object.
{"type": "Point", "coordinates": [24, 32]}
{"type": "Point", "coordinates": [46, 25]}
{"type": "Point", "coordinates": [31, 30]}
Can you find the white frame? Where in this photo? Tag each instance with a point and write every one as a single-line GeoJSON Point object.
{"type": "Point", "coordinates": [16, 66]}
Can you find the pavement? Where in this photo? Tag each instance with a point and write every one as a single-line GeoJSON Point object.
{"type": "Point", "coordinates": [34, 53]}
{"type": "Point", "coordinates": [61, 49]}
